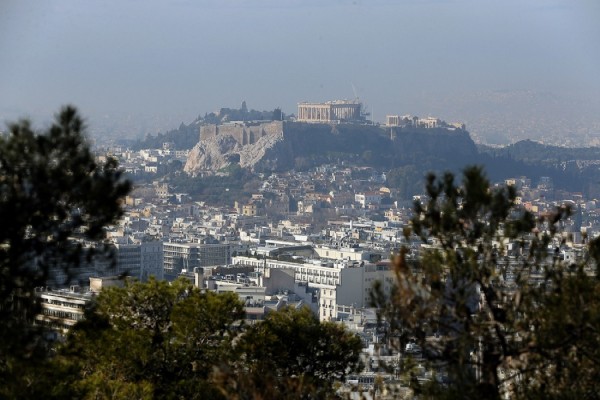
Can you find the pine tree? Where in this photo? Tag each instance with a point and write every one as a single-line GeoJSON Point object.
{"type": "Point", "coordinates": [52, 190]}
{"type": "Point", "coordinates": [522, 324]}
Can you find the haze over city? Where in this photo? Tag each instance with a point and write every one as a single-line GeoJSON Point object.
{"type": "Point", "coordinates": [300, 199]}
{"type": "Point", "coordinates": [136, 67]}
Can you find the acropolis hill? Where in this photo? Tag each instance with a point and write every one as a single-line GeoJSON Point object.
{"type": "Point", "coordinates": [322, 131]}
{"type": "Point", "coordinates": [244, 133]}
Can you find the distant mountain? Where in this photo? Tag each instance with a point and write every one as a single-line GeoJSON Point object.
{"type": "Point", "coordinates": [533, 152]}
{"type": "Point", "coordinates": [572, 169]}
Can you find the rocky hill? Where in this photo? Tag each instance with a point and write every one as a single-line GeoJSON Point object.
{"type": "Point", "coordinates": [218, 152]}
{"type": "Point", "coordinates": [284, 145]}
{"type": "Point", "coordinates": [405, 154]}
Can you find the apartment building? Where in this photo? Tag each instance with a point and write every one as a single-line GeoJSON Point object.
{"type": "Point", "coordinates": [187, 256]}
{"type": "Point", "coordinates": [340, 285]}
{"type": "Point", "coordinates": [61, 309]}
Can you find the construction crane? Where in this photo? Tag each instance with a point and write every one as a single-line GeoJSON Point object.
{"type": "Point", "coordinates": [354, 90]}
{"type": "Point", "coordinates": [364, 113]}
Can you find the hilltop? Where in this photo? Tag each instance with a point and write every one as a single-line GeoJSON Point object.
{"type": "Point", "coordinates": [266, 141]}
{"type": "Point", "coordinates": [284, 145]}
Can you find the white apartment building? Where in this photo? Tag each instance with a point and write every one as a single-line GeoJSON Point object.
{"type": "Point", "coordinates": [344, 253]}
{"type": "Point", "coordinates": [61, 309]}
{"type": "Point", "coordinates": [364, 199]}
{"type": "Point", "coordinates": [340, 284]}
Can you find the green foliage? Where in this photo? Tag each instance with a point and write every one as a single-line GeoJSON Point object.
{"type": "Point", "coordinates": [566, 166]}
{"type": "Point", "coordinates": [51, 190]}
{"type": "Point", "coordinates": [407, 179]}
{"type": "Point", "coordinates": [185, 137]}
{"type": "Point", "coordinates": [367, 156]}
{"type": "Point", "coordinates": [277, 114]}
{"type": "Point", "coordinates": [161, 340]}
{"type": "Point", "coordinates": [157, 338]}
{"type": "Point", "coordinates": [292, 355]}
{"type": "Point", "coordinates": [233, 170]}
{"type": "Point", "coordinates": [497, 337]}
{"type": "Point", "coordinates": [567, 340]}
{"type": "Point", "coordinates": [237, 185]}
{"type": "Point", "coordinates": [531, 151]}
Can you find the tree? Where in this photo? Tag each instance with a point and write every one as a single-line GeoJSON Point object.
{"type": "Point", "coordinates": [291, 355]}
{"type": "Point", "coordinates": [521, 324]}
{"type": "Point", "coordinates": [407, 180]}
{"type": "Point", "coordinates": [52, 191]}
{"type": "Point", "coordinates": [277, 114]}
{"type": "Point", "coordinates": [161, 340]}
{"type": "Point", "coordinates": [156, 338]}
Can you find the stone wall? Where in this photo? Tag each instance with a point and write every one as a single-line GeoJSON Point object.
{"type": "Point", "coordinates": [243, 132]}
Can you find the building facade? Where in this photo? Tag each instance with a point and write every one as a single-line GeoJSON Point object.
{"type": "Point", "coordinates": [340, 286]}
{"type": "Point", "coordinates": [331, 111]}
{"type": "Point", "coordinates": [151, 254]}
{"type": "Point", "coordinates": [187, 256]}
{"type": "Point", "coordinates": [61, 309]}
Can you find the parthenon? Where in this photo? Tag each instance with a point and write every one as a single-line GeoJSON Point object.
{"type": "Point", "coordinates": [331, 111]}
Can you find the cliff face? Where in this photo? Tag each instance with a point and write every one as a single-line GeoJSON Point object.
{"type": "Point", "coordinates": [281, 146]}
{"type": "Point", "coordinates": [218, 151]}
{"type": "Point", "coordinates": [294, 145]}
{"type": "Point", "coordinates": [211, 154]}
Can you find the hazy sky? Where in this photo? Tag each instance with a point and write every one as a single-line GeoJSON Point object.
{"type": "Point", "coordinates": [182, 58]}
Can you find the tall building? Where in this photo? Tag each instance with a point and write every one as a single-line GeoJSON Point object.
{"type": "Point", "coordinates": [152, 260]}
{"type": "Point", "coordinates": [128, 260]}
{"type": "Point", "coordinates": [187, 256]}
{"type": "Point", "coordinates": [136, 260]}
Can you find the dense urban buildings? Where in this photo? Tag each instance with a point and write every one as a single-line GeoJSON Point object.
{"type": "Point", "coordinates": [318, 237]}
{"type": "Point", "coordinates": [182, 257]}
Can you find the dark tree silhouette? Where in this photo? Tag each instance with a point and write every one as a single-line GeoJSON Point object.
{"type": "Point", "coordinates": [518, 324]}
{"type": "Point", "coordinates": [54, 195]}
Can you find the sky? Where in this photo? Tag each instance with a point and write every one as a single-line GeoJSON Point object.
{"type": "Point", "coordinates": [144, 65]}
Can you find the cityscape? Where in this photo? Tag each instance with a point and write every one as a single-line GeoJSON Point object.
{"type": "Point", "coordinates": [317, 238]}
{"type": "Point", "coordinates": [432, 232]}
